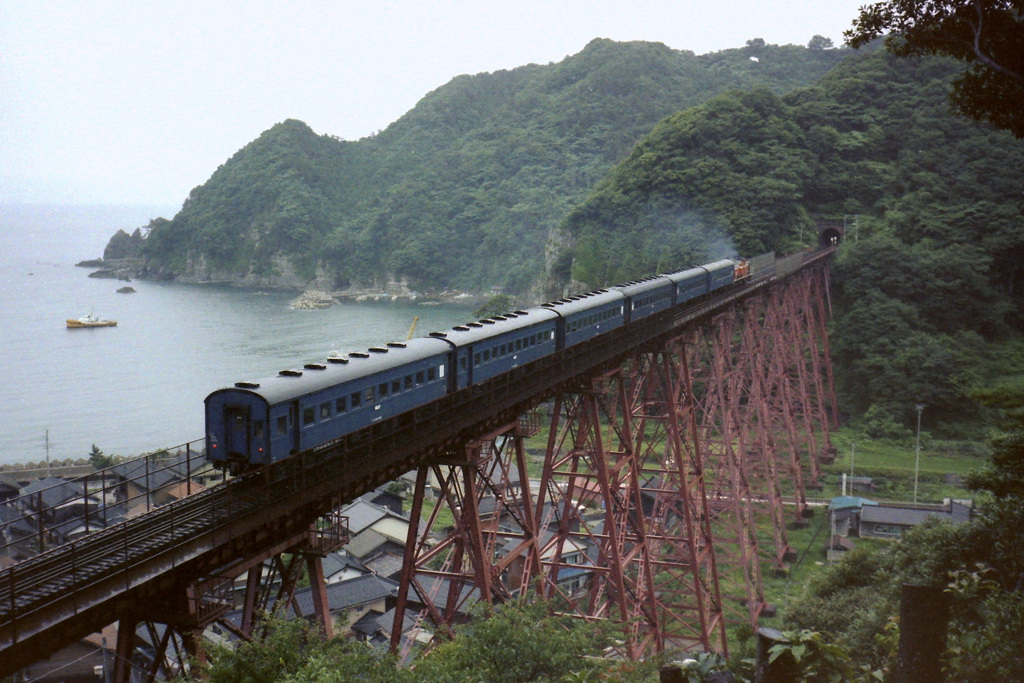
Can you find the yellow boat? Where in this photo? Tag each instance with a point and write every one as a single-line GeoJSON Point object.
{"type": "Point", "coordinates": [90, 321]}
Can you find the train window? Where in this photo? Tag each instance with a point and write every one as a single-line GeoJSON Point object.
{"type": "Point", "coordinates": [487, 355]}
{"type": "Point", "coordinates": [339, 405]}
{"type": "Point", "coordinates": [282, 424]}
{"type": "Point", "coordinates": [325, 410]}
{"type": "Point", "coordinates": [408, 378]}
{"type": "Point", "coordinates": [368, 395]}
{"type": "Point", "coordinates": [396, 386]}
{"type": "Point", "coordinates": [476, 358]}
{"type": "Point", "coordinates": [519, 344]}
{"type": "Point", "coordinates": [502, 352]}
{"type": "Point", "coordinates": [356, 399]}
{"type": "Point", "coordinates": [257, 429]}
{"type": "Point", "coordinates": [308, 416]}
{"type": "Point", "coordinates": [383, 390]}
{"type": "Point", "coordinates": [430, 374]}
{"type": "Point", "coordinates": [419, 377]}
{"type": "Point", "coordinates": [462, 363]}
{"type": "Point", "coordinates": [440, 371]}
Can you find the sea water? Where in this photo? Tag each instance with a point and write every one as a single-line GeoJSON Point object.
{"type": "Point", "coordinates": [139, 386]}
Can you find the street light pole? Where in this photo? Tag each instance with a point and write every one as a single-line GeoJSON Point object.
{"type": "Point", "coordinates": [917, 448]}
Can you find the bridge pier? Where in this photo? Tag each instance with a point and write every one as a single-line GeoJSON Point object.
{"type": "Point", "coordinates": [671, 447]}
{"type": "Point", "coordinates": [662, 477]}
{"type": "Point", "coordinates": [174, 628]}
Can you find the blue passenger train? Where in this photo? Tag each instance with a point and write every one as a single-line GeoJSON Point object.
{"type": "Point", "coordinates": [259, 422]}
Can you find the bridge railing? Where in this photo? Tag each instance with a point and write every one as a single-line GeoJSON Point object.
{"type": "Point", "coordinates": [63, 510]}
{"type": "Point", "coordinates": [41, 590]}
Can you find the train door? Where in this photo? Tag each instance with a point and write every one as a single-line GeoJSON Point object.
{"type": "Point", "coordinates": [236, 431]}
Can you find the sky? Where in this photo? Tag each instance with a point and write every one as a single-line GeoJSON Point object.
{"type": "Point", "coordinates": [139, 101]}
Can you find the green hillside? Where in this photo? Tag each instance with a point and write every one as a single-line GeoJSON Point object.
{"type": "Point", "coordinates": [465, 189]}
{"type": "Point", "coordinates": [927, 289]}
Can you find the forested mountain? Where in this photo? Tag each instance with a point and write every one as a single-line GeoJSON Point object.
{"type": "Point", "coordinates": [932, 272]}
{"type": "Point", "coordinates": [465, 189]}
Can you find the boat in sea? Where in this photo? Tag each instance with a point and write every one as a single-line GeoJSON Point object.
{"type": "Point", "coordinates": [90, 321]}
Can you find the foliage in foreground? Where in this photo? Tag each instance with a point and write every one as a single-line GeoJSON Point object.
{"type": "Point", "coordinates": [516, 643]}
{"type": "Point", "coordinates": [987, 35]}
{"type": "Point", "coordinates": [980, 563]}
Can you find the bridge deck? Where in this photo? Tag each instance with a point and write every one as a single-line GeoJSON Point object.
{"type": "Point", "coordinates": [51, 599]}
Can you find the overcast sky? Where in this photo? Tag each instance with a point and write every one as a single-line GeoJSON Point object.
{"type": "Point", "coordinates": [140, 101]}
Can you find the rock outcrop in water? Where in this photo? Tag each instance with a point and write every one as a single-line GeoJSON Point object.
{"type": "Point", "coordinates": [313, 299]}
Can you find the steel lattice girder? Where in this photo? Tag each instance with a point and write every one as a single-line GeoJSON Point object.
{"type": "Point", "coordinates": [661, 479]}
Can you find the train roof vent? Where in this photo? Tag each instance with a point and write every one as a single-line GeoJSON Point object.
{"type": "Point", "coordinates": [461, 328]}
{"type": "Point", "coordinates": [337, 359]}
{"type": "Point", "coordinates": [549, 304]}
{"type": "Point", "coordinates": [439, 335]}
{"type": "Point", "coordinates": [315, 366]}
{"type": "Point", "coordinates": [522, 313]}
{"type": "Point", "coordinates": [247, 385]}
{"type": "Point", "coordinates": [487, 322]}
{"type": "Point", "coordinates": [474, 324]}
{"type": "Point", "coordinates": [378, 349]}
{"type": "Point", "coordinates": [501, 317]}
{"type": "Point", "coordinates": [359, 354]}
{"type": "Point", "coordinates": [397, 345]}
{"type": "Point", "coordinates": [290, 373]}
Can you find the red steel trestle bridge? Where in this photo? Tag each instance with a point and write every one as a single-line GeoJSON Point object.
{"type": "Point", "coordinates": [678, 450]}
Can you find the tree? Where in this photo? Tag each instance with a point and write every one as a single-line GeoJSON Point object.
{"type": "Point", "coordinates": [99, 459]}
{"type": "Point", "coordinates": [517, 642]}
{"type": "Point", "coordinates": [986, 34]}
{"type": "Point", "coordinates": [496, 305]}
{"type": "Point", "coordinates": [820, 43]}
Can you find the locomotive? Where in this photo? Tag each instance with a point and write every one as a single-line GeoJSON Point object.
{"type": "Point", "coordinates": [255, 423]}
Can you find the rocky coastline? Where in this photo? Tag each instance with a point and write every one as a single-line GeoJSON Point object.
{"type": "Point", "coordinates": [311, 295]}
{"type": "Point", "coordinates": [123, 260]}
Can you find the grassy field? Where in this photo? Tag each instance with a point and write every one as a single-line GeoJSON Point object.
{"type": "Point", "coordinates": [891, 465]}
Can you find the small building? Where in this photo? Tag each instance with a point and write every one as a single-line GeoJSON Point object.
{"type": "Point", "coordinates": [88, 660]}
{"type": "Point", "coordinates": [341, 566]}
{"type": "Point", "coordinates": [890, 520]}
{"type": "Point", "coordinates": [375, 531]}
{"type": "Point", "coordinates": [844, 514]}
{"type": "Point", "coordinates": [9, 489]}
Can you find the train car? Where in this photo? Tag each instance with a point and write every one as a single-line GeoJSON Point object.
{"type": "Point", "coordinates": [689, 284]}
{"type": "Point", "coordinates": [486, 348]}
{"type": "Point", "coordinates": [256, 423]}
{"type": "Point", "coordinates": [585, 316]}
{"type": "Point", "coordinates": [720, 273]}
{"type": "Point", "coordinates": [259, 422]}
{"type": "Point", "coordinates": [647, 296]}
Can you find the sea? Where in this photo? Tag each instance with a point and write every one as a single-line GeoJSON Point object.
{"type": "Point", "coordinates": [139, 387]}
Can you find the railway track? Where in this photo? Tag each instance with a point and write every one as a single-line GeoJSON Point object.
{"type": "Point", "coordinates": [42, 591]}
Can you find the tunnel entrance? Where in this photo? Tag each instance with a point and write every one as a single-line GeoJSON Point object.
{"type": "Point", "coordinates": [830, 236]}
{"type": "Point", "coordinates": [832, 230]}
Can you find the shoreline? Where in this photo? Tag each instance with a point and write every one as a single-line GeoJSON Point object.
{"type": "Point", "coordinates": [309, 297]}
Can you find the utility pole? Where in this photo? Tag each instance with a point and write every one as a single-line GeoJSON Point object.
{"type": "Point", "coordinates": [917, 448]}
{"type": "Point", "coordinates": [47, 453]}
{"type": "Point", "coordinates": [853, 452]}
